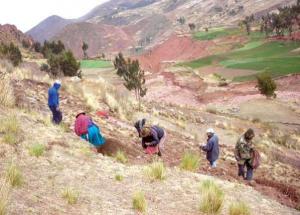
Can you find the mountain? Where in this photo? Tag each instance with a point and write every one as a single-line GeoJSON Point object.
{"type": "Point", "coordinates": [147, 22]}
{"type": "Point", "coordinates": [48, 28]}
{"type": "Point", "coordinates": [10, 33]}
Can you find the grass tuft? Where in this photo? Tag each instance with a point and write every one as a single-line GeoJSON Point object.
{"type": "Point", "coordinates": [190, 162]}
{"type": "Point", "coordinates": [14, 176]}
{"type": "Point", "coordinates": [156, 171]}
{"type": "Point", "coordinates": [11, 128]}
{"type": "Point", "coordinates": [4, 194]}
{"type": "Point", "coordinates": [239, 208]}
{"type": "Point", "coordinates": [36, 150]}
{"type": "Point", "coordinates": [70, 195]}
{"type": "Point", "coordinates": [139, 202]}
{"type": "Point", "coordinates": [119, 177]}
{"type": "Point", "coordinates": [121, 157]}
{"type": "Point", "coordinates": [212, 198]}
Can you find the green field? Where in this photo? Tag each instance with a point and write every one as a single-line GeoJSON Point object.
{"type": "Point", "coordinates": [216, 33]}
{"type": "Point", "coordinates": [92, 64]}
{"type": "Point", "coordinates": [275, 58]}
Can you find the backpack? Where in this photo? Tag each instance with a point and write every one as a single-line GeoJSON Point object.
{"type": "Point", "coordinates": [81, 124]}
{"type": "Point", "coordinates": [255, 160]}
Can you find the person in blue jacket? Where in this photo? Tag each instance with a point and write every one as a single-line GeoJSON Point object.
{"type": "Point", "coordinates": [211, 148]}
{"type": "Point", "coordinates": [53, 102]}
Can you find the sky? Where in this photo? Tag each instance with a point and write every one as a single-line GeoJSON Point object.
{"type": "Point", "coordinates": [25, 14]}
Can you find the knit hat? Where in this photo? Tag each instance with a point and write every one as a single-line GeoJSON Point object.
{"type": "Point", "coordinates": [210, 130]}
{"type": "Point", "coordinates": [57, 82]}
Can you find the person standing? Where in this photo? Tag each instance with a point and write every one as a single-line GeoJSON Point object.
{"type": "Point", "coordinates": [53, 102]}
{"type": "Point", "coordinates": [211, 148]}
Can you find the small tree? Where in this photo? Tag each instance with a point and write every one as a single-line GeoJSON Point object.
{"type": "Point", "coordinates": [247, 22]}
{"type": "Point", "coordinates": [25, 43]}
{"type": "Point", "coordinates": [37, 47]}
{"type": "Point", "coordinates": [266, 85]}
{"type": "Point", "coordinates": [11, 52]}
{"type": "Point", "coordinates": [192, 26]}
{"type": "Point", "coordinates": [85, 47]}
{"type": "Point", "coordinates": [181, 20]}
{"type": "Point", "coordinates": [120, 64]}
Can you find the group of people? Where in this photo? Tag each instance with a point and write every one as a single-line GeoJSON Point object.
{"type": "Point", "coordinates": [153, 137]}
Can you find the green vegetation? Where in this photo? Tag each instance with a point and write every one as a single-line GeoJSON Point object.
{"type": "Point", "coordinates": [4, 195]}
{"type": "Point", "coordinates": [266, 85]}
{"type": "Point", "coordinates": [190, 162]}
{"type": "Point", "coordinates": [11, 52]}
{"type": "Point", "coordinates": [276, 58]}
{"type": "Point", "coordinates": [156, 170]}
{"type": "Point", "coordinates": [14, 176]}
{"type": "Point", "coordinates": [119, 177]}
{"type": "Point", "coordinates": [216, 33]}
{"type": "Point", "coordinates": [121, 157]}
{"type": "Point", "coordinates": [70, 195]}
{"type": "Point", "coordinates": [139, 202]}
{"type": "Point", "coordinates": [93, 64]}
{"type": "Point", "coordinates": [10, 126]}
{"type": "Point", "coordinates": [36, 150]}
{"type": "Point", "coordinates": [239, 208]}
{"type": "Point", "coordinates": [212, 198]}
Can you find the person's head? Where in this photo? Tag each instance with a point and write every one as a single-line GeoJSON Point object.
{"type": "Point", "coordinates": [210, 132]}
{"type": "Point", "coordinates": [80, 113]}
{"type": "Point", "coordinates": [249, 135]}
{"type": "Point", "coordinates": [57, 84]}
{"type": "Point", "coordinates": [145, 132]}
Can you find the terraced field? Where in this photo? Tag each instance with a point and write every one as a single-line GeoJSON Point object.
{"type": "Point", "coordinates": [92, 64]}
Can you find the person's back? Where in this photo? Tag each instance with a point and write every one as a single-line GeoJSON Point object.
{"type": "Point", "coordinates": [213, 153]}
{"type": "Point", "coordinates": [53, 97]}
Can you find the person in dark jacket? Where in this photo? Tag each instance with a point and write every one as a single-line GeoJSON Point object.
{"type": "Point", "coordinates": [211, 148]}
{"type": "Point", "coordinates": [53, 102]}
{"type": "Point", "coordinates": [139, 125]}
{"type": "Point", "coordinates": [153, 139]}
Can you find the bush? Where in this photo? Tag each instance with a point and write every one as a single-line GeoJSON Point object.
{"type": "Point", "coordinates": [52, 48]}
{"type": "Point", "coordinates": [37, 150]}
{"type": "Point", "coordinates": [190, 162]}
{"type": "Point", "coordinates": [212, 198]}
{"type": "Point", "coordinates": [70, 195]}
{"type": "Point", "coordinates": [139, 202]}
{"type": "Point", "coordinates": [44, 67]}
{"type": "Point", "coordinates": [26, 44]}
{"type": "Point", "coordinates": [11, 128]}
{"type": "Point", "coordinates": [4, 193]}
{"type": "Point", "coordinates": [11, 52]}
{"type": "Point", "coordinates": [121, 157]}
{"type": "Point", "coordinates": [14, 176]}
{"type": "Point", "coordinates": [239, 208]}
{"type": "Point", "coordinates": [156, 170]}
{"type": "Point", "coordinates": [266, 85]}
{"type": "Point", "coordinates": [37, 47]}
{"type": "Point", "coordinates": [119, 177]}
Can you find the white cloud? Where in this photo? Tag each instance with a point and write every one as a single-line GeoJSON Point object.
{"type": "Point", "coordinates": [25, 14]}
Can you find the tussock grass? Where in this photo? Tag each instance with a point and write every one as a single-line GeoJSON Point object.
{"type": "Point", "coordinates": [212, 110]}
{"type": "Point", "coordinates": [36, 150]}
{"type": "Point", "coordinates": [156, 171]}
{"type": "Point", "coordinates": [14, 176]}
{"type": "Point", "coordinates": [121, 157]}
{"type": "Point", "coordinates": [11, 128]}
{"type": "Point", "coordinates": [4, 195]}
{"type": "Point", "coordinates": [190, 162]}
{"type": "Point", "coordinates": [212, 198]}
{"type": "Point", "coordinates": [239, 208]}
{"type": "Point", "coordinates": [139, 201]}
{"type": "Point", "coordinates": [7, 98]}
{"type": "Point", "coordinates": [70, 195]}
{"type": "Point", "coordinates": [119, 177]}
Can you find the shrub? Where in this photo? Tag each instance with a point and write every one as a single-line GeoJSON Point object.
{"type": "Point", "coordinates": [190, 162]}
{"type": "Point", "coordinates": [156, 170]}
{"type": "Point", "coordinates": [37, 47]}
{"type": "Point", "coordinates": [70, 195]}
{"type": "Point", "coordinates": [266, 85]}
{"type": "Point", "coordinates": [212, 198]}
{"type": "Point", "coordinates": [4, 193]}
{"type": "Point", "coordinates": [119, 177]}
{"type": "Point", "coordinates": [11, 52]}
{"type": "Point", "coordinates": [11, 128]}
{"type": "Point", "coordinates": [44, 67]}
{"type": "Point", "coordinates": [14, 176]}
{"type": "Point", "coordinates": [37, 150]}
{"type": "Point", "coordinates": [121, 157]}
{"type": "Point", "coordinates": [139, 202]}
{"type": "Point", "coordinates": [26, 44]}
{"type": "Point", "coordinates": [239, 208]}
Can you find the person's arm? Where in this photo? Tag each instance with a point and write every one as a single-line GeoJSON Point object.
{"type": "Point", "coordinates": [208, 146]}
{"type": "Point", "coordinates": [236, 151]}
{"type": "Point", "coordinates": [155, 138]}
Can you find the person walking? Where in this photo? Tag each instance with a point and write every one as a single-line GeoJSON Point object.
{"type": "Point", "coordinates": [211, 148]}
{"type": "Point", "coordinates": [53, 102]}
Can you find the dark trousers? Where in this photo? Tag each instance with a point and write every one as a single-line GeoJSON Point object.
{"type": "Point", "coordinates": [57, 115]}
{"type": "Point", "coordinates": [249, 174]}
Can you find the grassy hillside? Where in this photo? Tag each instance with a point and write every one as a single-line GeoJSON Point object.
{"type": "Point", "coordinates": [216, 33]}
{"type": "Point", "coordinates": [276, 58]}
{"type": "Point", "coordinates": [91, 64]}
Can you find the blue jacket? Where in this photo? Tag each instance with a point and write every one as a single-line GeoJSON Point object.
{"type": "Point", "coordinates": [212, 148]}
{"type": "Point", "coordinates": [157, 134]}
{"type": "Point", "coordinates": [53, 96]}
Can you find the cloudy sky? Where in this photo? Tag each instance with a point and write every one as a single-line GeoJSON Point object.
{"type": "Point", "coordinates": [27, 13]}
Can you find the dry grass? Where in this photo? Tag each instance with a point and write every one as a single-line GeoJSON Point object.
{"type": "Point", "coordinates": [7, 98]}
{"type": "Point", "coordinates": [190, 162]}
{"type": "Point", "coordinates": [212, 198]}
{"type": "Point", "coordinates": [239, 208]}
{"type": "Point", "coordinates": [11, 128]}
{"type": "Point", "coordinates": [36, 150]}
{"type": "Point", "coordinates": [121, 157]}
{"type": "Point", "coordinates": [70, 195]}
{"type": "Point", "coordinates": [156, 171]}
{"type": "Point", "coordinates": [4, 195]}
{"type": "Point", "coordinates": [212, 110]}
{"type": "Point", "coordinates": [139, 201]}
{"type": "Point", "coordinates": [14, 176]}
